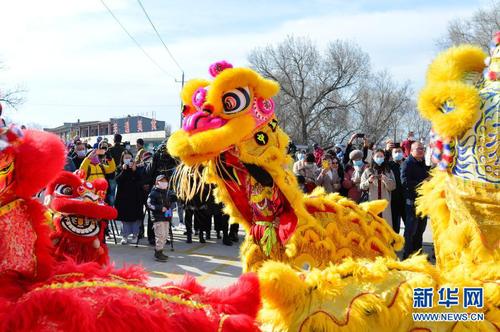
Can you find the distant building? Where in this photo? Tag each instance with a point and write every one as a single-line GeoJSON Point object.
{"type": "Point", "coordinates": [131, 128]}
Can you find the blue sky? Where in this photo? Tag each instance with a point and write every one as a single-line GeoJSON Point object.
{"type": "Point", "coordinates": [76, 63]}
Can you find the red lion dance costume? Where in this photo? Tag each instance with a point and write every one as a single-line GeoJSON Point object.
{"type": "Point", "coordinates": [80, 216]}
{"type": "Point", "coordinates": [39, 294]}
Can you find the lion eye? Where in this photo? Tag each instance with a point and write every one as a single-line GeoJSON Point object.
{"type": "Point", "coordinates": [236, 100]}
{"type": "Point", "coordinates": [64, 189]}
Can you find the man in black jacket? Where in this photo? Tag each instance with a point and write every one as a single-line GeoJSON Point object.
{"type": "Point", "coordinates": [413, 173]}
{"type": "Point", "coordinates": [397, 195]}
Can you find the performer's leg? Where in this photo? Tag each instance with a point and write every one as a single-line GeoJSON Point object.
{"type": "Point", "coordinates": [218, 220]}
{"type": "Point", "coordinates": [233, 232]}
{"type": "Point", "coordinates": [188, 220]}
{"type": "Point", "coordinates": [225, 229]}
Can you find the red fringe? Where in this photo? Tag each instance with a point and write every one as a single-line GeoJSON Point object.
{"type": "Point", "coordinates": [117, 309]}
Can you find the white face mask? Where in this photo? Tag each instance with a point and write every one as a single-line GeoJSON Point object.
{"type": "Point", "coordinates": [81, 153]}
{"type": "Point", "coordinates": [127, 161]}
{"type": "Point", "coordinates": [162, 185]}
{"type": "Point", "coordinates": [397, 156]}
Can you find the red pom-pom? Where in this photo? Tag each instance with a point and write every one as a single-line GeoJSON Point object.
{"type": "Point", "coordinates": [492, 75]}
{"type": "Point", "coordinates": [216, 68]}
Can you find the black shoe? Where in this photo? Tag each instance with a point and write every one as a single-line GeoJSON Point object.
{"type": "Point", "coordinates": [189, 238]}
{"type": "Point", "coordinates": [185, 233]}
{"type": "Point", "coordinates": [234, 237]}
{"type": "Point", "coordinates": [202, 240]}
{"type": "Point", "coordinates": [160, 257]}
{"type": "Point", "coordinates": [227, 241]}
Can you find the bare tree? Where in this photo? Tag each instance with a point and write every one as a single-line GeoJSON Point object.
{"type": "Point", "coordinates": [11, 97]}
{"type": "Point", "coordinates": [317, 88]}
{"type": "Point", "coordinates": [411, 120]}
{"type": "Point", "coordinates": [478, 29]}
{"type": "Point", "coordinates": [382, 104]}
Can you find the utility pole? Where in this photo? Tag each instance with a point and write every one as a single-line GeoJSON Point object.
{"type": "Point", "coordinates": [182, 105]}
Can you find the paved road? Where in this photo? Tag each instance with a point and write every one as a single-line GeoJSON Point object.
{"type": "Point", "coordinates": [212, 263]}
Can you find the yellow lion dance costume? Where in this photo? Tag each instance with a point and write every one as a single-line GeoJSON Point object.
{"type": "Point", "coordinates": [230, 127]}
{"type": "Point", "coordinates": [355, 283]}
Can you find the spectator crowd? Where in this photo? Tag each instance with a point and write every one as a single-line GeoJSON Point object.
{"type": "Point", "coordinates": [140, 188]}
{"type": "Point", "coordinates": [363, 172]}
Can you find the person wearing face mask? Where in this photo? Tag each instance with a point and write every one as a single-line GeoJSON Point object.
{"type": "Point", "coordinates": [339, 152]}
{"type": "Point", "coordinates": [397, 195]}
{"type": "Point", "coordinates": [329, 177]}
{"type": "Point", "coordinates": [352, 175]}
{"type": "Point", "coordinates": [308, 169]}
{"type": "Point", "coordinates": [379, 181]}
{"type": "Point", "coordinates": [300, 155]}
{"type": "Point", "coordinates": [79, 154]}
{"type": "Point", "coordinates": [413, 173]}
{"type": "Point", "coordinates": [160, 201]}
{"type": "Point", "coordinates": [351, 146]}
{"type": "Point", "coordinates": [98, 163]}
{"type": "Point", "coordinates": [128, 200]}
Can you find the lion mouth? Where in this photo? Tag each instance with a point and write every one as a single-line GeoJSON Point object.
{"type": "Point", "coordinates": [81, 226]}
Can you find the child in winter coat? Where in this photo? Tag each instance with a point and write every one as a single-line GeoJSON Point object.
{"type": "Point", "coordinates": [160, 203]}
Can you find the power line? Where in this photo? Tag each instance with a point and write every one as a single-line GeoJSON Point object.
{"type": "Point", "coordinates": [104, 106]}
{"type": "Point", "coordinates": [159, 36]}
{"type": "Point", "coordinates": [135, 41]}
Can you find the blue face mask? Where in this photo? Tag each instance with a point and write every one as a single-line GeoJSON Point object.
{"type": "Point", "coordinates": [358, 162]}
{"type": "Point", "coordinates": [379, 160]}
{"type": "Point", "coordinates": [397, 156]}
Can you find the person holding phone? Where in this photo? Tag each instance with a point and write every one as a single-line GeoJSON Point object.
{"type": "Point", "coordinates": [379, 181]}
{"type": "Point", "coordinates": [352, 175]}
{"type": "Point", "coordinates": [350, 147]}
{"type": "Point", "coordinates": [128, 200]}
{"type": "Point", "coordinates": [98, 163]}
{"type": "Point", "coordinates": [329, 177]}
{"type": "Point", "coordinates": [308, 169]}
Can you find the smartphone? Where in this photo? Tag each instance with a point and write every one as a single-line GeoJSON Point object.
{"type": "Point", "coordinates": [397, 145]}
{"type": "Point", "coordinates": [325, 164]}
{"type": "Point", "coordinates": [360, 135]}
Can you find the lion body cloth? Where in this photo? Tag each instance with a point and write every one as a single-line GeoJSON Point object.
{"type": "Point", "coordinates": [324, 262]}
{"type": "Point", "coordinates": [43, 288]}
